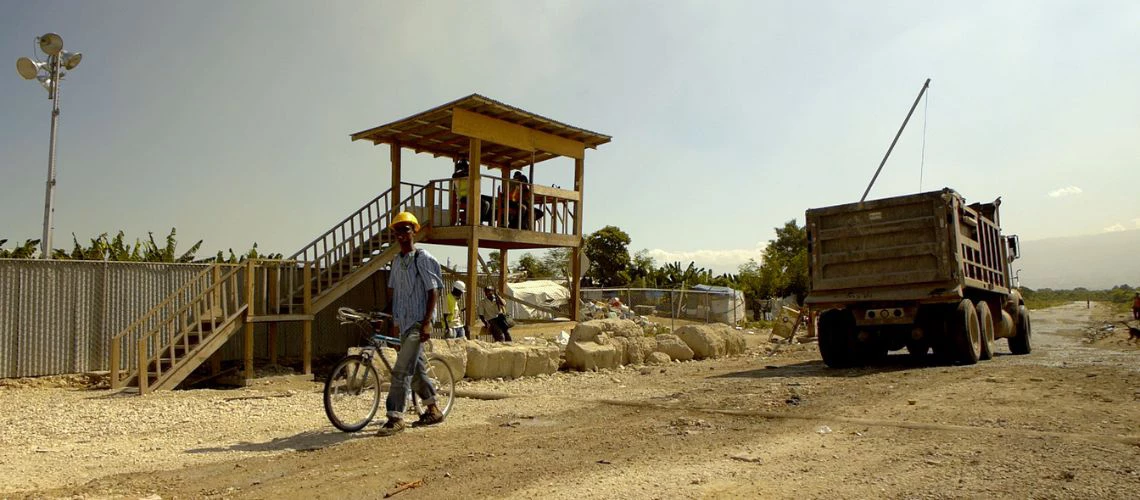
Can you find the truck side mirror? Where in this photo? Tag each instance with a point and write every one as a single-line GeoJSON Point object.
{"type": "Point", "coordinates": [1014, 247]}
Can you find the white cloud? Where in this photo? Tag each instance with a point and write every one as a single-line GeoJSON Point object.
{"type": "Point", "coordinates": [1065, 191]}
{"type": "Point", "coordinates": [1115, 228]}
{"type": "Point", "coordinates": [1137, 222]}
{"type": "Point", "coordinates": [719, 261]}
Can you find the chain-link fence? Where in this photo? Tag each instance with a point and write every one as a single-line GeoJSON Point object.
{"type": "Point", "coordinates": [665, 306]}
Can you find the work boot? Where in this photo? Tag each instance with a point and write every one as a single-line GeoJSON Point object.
{"type": "Point", "coordinates": [391, 427]}
{"type": "Point", "coordinates": [432, 416]}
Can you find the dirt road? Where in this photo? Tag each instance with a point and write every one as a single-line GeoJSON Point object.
{"type": "Point", "coordinates": [1063, 422]}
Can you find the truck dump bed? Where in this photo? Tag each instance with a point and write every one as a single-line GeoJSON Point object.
{"type": "Point", "coordinates": [923, 246]}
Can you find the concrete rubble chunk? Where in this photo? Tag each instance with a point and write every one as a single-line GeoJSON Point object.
{"type": "Point", "coordinates": [591, 356]}
{"type": "Point", "coordinates": [496, 360]}
{"type": "Point", "coordinates": [657, 358]}
{"type": "Point", "coordinates": [589, 330]}
{"type": "Point", "coordinates": [672, 346]}
{"type": "Point", "coordinates": [713, 340]}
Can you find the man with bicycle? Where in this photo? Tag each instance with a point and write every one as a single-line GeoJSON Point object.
{"type": "Point", "coordinates": [413, 290]}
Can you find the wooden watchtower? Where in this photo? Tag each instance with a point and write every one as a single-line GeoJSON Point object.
{"type": "Point", "coordinates": [509, 214]}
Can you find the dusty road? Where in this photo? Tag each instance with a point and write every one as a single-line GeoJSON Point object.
{"type": "Point", "coordinates": [1063, 422]}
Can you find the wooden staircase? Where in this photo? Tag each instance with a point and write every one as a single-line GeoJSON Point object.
{"type": "Point", "coordinates": [163, 347]}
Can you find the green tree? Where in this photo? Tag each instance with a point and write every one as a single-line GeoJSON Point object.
{"type": "Point", "coordinates": [642, 270]}
{"type": "Point", "coordinates": [532, 266]}
{"type": "Point", "coordinates": [493, 261]}
{"type": "Point", "coordinates": [784, 267]}
{"type": "Point", "coordinates": [25, 251]}
{"type": "Point", "coordinates": [606, 249]}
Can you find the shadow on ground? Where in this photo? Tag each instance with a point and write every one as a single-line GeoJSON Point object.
{"type": "Point", "coordinates": [816, 368]}
{"type": "Point", "coordinates": [305, 441]}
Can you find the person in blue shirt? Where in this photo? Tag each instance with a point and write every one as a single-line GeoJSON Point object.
{"type": "Point", "coordinates": [413, 290]}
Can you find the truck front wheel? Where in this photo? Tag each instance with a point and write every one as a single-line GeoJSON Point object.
{"type": "Point", "coordinates": [1020, 342]}
{"type": "Point", "coordinates": [837, 338]}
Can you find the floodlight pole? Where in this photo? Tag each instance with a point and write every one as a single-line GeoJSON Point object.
{"type": "Point", "coordinates": [49, 196]}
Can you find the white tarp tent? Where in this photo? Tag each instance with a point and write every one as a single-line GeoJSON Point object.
{"type": "Point", "coordinates": [545, 293]}
{"type": "Point", "coordinates": [726, 305]}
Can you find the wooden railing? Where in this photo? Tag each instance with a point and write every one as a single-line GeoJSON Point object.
{"type": "Point", "coordinates": [540, 208]}
{"type": "Point", "coordinates": [212, 297]}
{"type": "Point", "coordinates": [277, 287]}
{"type": "Point", "coordinates": [360, 236]}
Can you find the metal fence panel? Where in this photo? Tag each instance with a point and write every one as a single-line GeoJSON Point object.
{"type": "Point", "coordinates": [59, 316]}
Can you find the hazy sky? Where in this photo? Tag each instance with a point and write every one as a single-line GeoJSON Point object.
{"type": "Point", "coordinates": [231, 120]}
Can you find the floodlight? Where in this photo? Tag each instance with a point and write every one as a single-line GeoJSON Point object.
{"type": "Point", "coordinates": [28, 68]}
{"type": "Point", "coordinates": [51, 44]}
{"type": "Point", "coordinates": [70, 60]}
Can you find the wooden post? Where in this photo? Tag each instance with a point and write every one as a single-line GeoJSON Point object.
{"type": "Point", "coordinates": [144, 364]}
{"type": "Point", "coordinates": [503, 272]}
{"type": "Point", "coordinates": [474, 293]}
{"type": "Point", "coordinates": [474, 200]}
{"type": "Point", "coordinates": [248, 337]}
{"type": "Point", "coordinates": [307, 325]}
{"type": "Point", "coordinates": [115, 360]}
{"type": "Point", "coordinates": [576, 254]}
{"type": "Point", "coordinates": [395, 156]}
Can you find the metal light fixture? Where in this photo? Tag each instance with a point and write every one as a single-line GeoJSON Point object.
{"type": "Point", "coordinates": [49, 73]}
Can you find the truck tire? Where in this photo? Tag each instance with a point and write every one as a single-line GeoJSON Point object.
{"type": "Point", "coordinates": [837, 338]}
{"type": "Point", "coordinates": [986, 329]}
{"type": "Point", "coordinates": [964, 338]}
{"type": "Point", "coordinates": [1020, 343]}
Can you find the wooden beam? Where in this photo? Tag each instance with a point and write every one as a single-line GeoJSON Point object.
{"type": "Point", "coordinates": [575, 282]}
{"type": "Point", "coordinates": [248, 337]}
{"type": "Point", "coordinates": [475, 125]}
{"type": "Point", "coordinates": [473, 292]}
{"type": "Point", "coordinates": [579, 175]}
{"type": "Point", "coordinates": [474, 202]}
{"type": "Point", "coordinates": [566, 194]}
{"type": "Point", "coordinates": [576, 254]}
{"type": "Point", "coordinates": [307, 326]}
{"type": "Point", "coordinates": [395, 158]}
{"type": "Point", "coordinates": [503, 272]}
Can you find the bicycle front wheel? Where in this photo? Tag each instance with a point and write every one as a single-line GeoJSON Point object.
{"type": "Point", "coordinates": [352, 393]}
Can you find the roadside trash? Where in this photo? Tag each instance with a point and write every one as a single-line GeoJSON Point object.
{"type": "Point", "coordinates": [563, 338]}
{"type": "Point", "coordinates": [823, 429]}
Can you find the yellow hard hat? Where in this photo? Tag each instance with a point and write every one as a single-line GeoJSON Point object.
{"type": "Point", "coordinates": [403, 217]}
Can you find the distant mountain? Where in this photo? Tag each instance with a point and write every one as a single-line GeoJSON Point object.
{"type": "Point", "coordinates": [1095, 262]}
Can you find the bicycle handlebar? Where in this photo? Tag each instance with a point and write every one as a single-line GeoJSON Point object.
{"type": "Point", "coordinates": [350, 315]}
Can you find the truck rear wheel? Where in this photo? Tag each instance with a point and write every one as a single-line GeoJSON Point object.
{"type": "Point", "coordinates": [837, 338]}
{"type": "Point", "coordinates": [1020, 342]}
{"type": "Point", "coordinates": [986, 329]}
{"type": "Point", "coordinates": [964, 339]}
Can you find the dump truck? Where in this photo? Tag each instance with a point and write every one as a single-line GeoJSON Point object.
{"type": "Point", "coordinates": [923, 272]}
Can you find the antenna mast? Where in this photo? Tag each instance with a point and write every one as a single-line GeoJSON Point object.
{"type": "Point", "coordinates": [884, 162]}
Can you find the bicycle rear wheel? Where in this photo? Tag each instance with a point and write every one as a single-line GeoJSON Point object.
{"type": "Point", "coordinates": [443, 381]}
{"type": "Point", "coordinates": [352, 393]}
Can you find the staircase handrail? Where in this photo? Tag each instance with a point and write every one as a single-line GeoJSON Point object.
{"type": "Point", "coordinates": [117, 340]}
{"type": "Point", "coordinates": [212, 302]}
{"type": "Point", "coordinates": [347, 240]}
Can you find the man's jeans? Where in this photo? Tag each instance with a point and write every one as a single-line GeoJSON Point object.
{"type": "Point", "coordinates": [410, 369]}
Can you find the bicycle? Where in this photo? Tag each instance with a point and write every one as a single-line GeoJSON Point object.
{"type": "Point", "coordinates": [354, 389]}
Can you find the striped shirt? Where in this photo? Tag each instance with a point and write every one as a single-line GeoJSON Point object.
{"type": "Point", "coordinates": [412, 275]}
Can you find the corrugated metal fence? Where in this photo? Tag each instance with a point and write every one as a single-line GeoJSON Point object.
{"type": "Point", "coordinates": [58, 316]}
